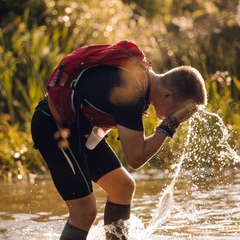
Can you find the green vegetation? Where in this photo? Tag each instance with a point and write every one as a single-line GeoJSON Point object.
{"type": "Point", "coordinates": [34, 37]}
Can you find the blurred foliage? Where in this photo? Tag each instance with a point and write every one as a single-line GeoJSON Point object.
{"type": "Point", "coordinates": [16, 154]}
{"type": "Point", "coordinates": [34, 37]}
{"type": "Point", "coordinates": [11, 11]}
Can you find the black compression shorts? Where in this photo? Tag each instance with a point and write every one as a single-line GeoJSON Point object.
{"type": "Point", "coordinates": [72, 173]}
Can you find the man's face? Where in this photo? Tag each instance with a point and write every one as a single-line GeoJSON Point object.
{"type": "Point", "coordinates": [168, 107]}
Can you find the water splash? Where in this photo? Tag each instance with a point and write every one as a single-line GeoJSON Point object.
{"type": "Point", "coordinates": [206, 141]}
{"type": "Point", "coordinates": [165, 204]}
{"type": "Point", "coordinates": [226, 151]}
{"type": "Point", "coordinates": [166, 200]}
{"type": "Point", "coordinates": [220, 147]}
{"type": "Point", "coordinates": [133, 227]}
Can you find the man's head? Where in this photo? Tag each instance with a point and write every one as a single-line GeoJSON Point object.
{"type": "Point", "coordinates": [176, 89]}
{"type": "Point", "coordinates": [185, 83]}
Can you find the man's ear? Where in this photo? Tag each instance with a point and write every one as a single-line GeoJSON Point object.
{"type": "Point", "coordinates": [167, 95]}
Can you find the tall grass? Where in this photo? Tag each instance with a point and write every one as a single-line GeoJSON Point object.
{"type": "Point", "coordinates": [29, 55]}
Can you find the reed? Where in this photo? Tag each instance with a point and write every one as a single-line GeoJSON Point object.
{"type": "Point", "coordinates": [29, 55]}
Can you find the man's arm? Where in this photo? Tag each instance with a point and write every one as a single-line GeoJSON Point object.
{"type": "Point", "coordinates": [139, 149]}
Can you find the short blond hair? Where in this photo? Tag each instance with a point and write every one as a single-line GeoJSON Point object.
{"type": "Point", "coordinates": [185, 82]}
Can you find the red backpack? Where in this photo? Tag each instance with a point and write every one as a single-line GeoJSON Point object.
{"type": "Point", "coordinates": [59, 86]}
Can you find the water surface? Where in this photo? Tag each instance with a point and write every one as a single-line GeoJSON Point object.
{"type": "Point", "coordinates": [206, 206]}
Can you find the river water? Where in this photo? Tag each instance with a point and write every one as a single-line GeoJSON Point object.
{"type": "Point", "coordinates": [206, 207]}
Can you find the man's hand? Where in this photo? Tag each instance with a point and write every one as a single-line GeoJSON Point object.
{"type": "Point", "coordinates": [186, 112]}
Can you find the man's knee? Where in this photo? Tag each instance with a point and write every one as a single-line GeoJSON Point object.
{"type": "Point", "coordinates": [85, 213]}
{"type": "Point", "coordinates": [82, 212]}
{"type": "Point", "coordinates": [124, 190]}
{"type": "Point", "coordinates": [91, 214]}
{"type": "Point", "coordinates": [119, 185]}
{"type": "Point", "coordinates": [128, 186]}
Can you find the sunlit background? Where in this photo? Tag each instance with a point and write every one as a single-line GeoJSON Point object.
{"type": "Point", "coordinates": [36, 35]}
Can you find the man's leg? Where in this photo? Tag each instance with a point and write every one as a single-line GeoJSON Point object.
{"type": "Point", "coordinates": [120, 187]}
{"type": "Point", "coordinates": [69, 170]}
{"type": "Point", "coordinates": [82, 213]}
